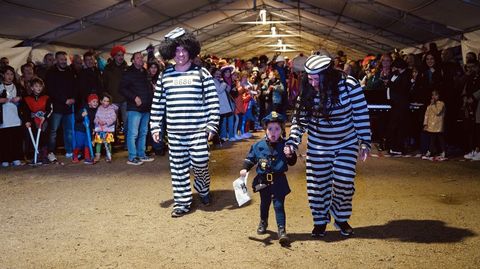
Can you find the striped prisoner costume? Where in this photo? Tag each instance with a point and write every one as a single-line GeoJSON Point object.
{"type": "Point", "coordinates": [191, 112]}
{"type": "Point", "coordinates": [332, 150]}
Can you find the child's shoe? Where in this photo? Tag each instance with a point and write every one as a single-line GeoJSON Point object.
{"type": "Point", "coordinates": [75, 156]}
{"type": "Point", "coordinates": [262, 227]}
{"type": "Point", "coordinates": [97, 157]}
{"type": "Point", "coordinates": [108, 160]}
{"type": "Point", "coordinates": [282, 235]}
{"type": "Point", "coordinates": [88, 161]}
{"type": "Point", "coordinates": [17, 163]}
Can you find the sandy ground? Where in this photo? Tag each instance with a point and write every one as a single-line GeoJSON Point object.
{"type": "Point", "coordinates": [408, 213]}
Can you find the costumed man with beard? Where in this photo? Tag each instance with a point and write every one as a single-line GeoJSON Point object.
{"type": "Point", "coordinates": [332, 110]}
{"type": "Point", "coordinates": [186, 96]}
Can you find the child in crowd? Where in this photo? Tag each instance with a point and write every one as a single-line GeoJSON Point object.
{"type": "Point", "coordinates": [271, 160]}
{"type": "Point", "coordinates": [38, 109]}
{"type": "Point", "coordinates": [105, 126]}
{"type": "Point", "coordinates": [81, 138]}
{"type": "Point", "coordinates": [433, 126]}
{"type": "Point", "coordinates": [247, 107]}
{"type": "Point", "coordinates": [11, 131]}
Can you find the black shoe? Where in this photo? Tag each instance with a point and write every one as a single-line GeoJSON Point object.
{"type": "Point", "coordinates": [282, 235]}
{"type": "Point", "coordinates": [177, 212]}
{"type": "Point", "coordinates": [262, 227]}
{"type": "Point", "coordinates": [319, 230]}
{"type": "Point", "coordinates": [344, 227]}
{"type": "Point", "coordinates": [205, 199]}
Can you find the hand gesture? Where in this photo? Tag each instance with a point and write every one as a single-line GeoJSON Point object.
{"type": "Point", "coordinates": [288, 150]}
{"type": "Point", "coordinates": [84, 113]}
{"type": "Point", "coordinates": [28, 125]}
{"type": "Point", "coordinates": [156, 137]}
{"type": "Point", "coordinates": [364, 151]}
{"type": "Point", "coordinates": [138, 101]}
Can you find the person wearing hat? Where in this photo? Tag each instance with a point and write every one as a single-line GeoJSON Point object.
{"type": "Point", "coordinates": [192, 117]}
{"type": "Point", "coordinates": [112, 76]}
{"type": "Point", "coordinates": [398, 92]}
{"type": "Point", "coordinates": [332, 109]}
{"type": "Point", "coordinates": [81, 141]}
{"type": "Point", "coordinates": [272, 163]}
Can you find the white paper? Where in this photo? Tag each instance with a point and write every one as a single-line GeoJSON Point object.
{"type": "Point", "coordinates": [241, 191]}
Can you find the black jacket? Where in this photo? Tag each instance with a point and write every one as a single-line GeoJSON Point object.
{"type": "Point", "coordinates": [79, 119]}
{"type": "Point", "coordinates": [135, 83]}
{"type": "Point", "coordinates": [60, 87]}
{"type": "Point", "coordinates": [89, 81]}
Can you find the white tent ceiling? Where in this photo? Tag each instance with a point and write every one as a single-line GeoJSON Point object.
{"type": "Point", "coordinates": [355, 26]}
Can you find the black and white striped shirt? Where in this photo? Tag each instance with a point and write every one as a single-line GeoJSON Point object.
{"type": "Point", "coordinates": [348, 123]}
{"type": "Point", "coordinates": [187, 106]}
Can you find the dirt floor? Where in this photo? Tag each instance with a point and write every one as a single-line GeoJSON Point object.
{"type": "Point", "coordinates": [408, 213]}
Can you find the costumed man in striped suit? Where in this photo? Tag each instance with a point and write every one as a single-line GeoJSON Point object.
{"type": "Point", "coordinates": [186, 97]}
{"type": "Point", "coordinates": [332, 110]}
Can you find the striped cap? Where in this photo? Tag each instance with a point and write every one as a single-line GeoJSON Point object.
{"type": "Point", "coordinates": [177, 32]}
{"type": "Point", "coordinates": [317, 63]}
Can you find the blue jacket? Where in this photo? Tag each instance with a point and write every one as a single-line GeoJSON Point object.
{"type": "Point", "coordinates": [270, 158]}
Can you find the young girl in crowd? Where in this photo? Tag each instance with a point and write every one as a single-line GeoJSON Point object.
{"type": "Point", "coordinates": [269, 156]}
{"type": "Point", "coordinates": [38, 109]}
{"type": "Point", "coordinates": [227, 122]}
{"type": "Point", "coordinates": [81, 138]}
{"type": "Point", "coordinates": [433, 126]}
{"type": "Point", "coordinates": [247, 88]}
{"type": "Point", "coordinates": [105, 119]}
{"type": "Point", "coordinates": [239, 108]}
{"type": "Point", "coordinates": [11, 131]}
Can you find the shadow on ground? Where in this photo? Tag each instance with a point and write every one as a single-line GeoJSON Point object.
{"type": "Point", "coordinates": [412, 231]}
{"type": "Point", "coordinates": [220, 200]}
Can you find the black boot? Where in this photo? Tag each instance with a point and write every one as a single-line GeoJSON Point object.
{"type": "Point", "coordinates": [262, 227]}
{"type": "Point", "coordinates": [319, 230]}
{"type": "Point", "coordinates": [282, 235]}
{"type": "Point", "coordinates": [344, 227]}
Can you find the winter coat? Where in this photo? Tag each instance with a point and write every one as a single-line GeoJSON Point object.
{"type": "Point", "coordinates": [112, 76]}
{"type": "Point", "coordinates": [135, 83]}
{"type": "Point", "coordinates": [109, 116]}
{"type": "Point", "coordinates": [434, 115]}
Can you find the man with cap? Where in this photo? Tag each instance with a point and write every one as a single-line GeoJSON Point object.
{"type": "Point", "coordinates": [272, 163]}
{"type": "Point", "coordinates": [332, 110]}
{"type": "Point", "coordinates": [186, 96]}
{"type": "Point", "coordinates": [398, 91]}
{"type": "Point", "coordinates": [111, 82]}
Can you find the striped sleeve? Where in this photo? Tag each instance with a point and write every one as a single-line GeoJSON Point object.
{"type": "Point", "coordinates": [157, 112]}
{"type": "Point", "coordinates": [299, 126]}
{"type": "Point", "coordinates": [211, 102]}
{"type": "Point", "coordinates": [361, 119]}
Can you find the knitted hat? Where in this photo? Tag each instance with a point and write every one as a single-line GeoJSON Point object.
{"type": "Point", "coordinates": [92, 97]}
{"type": "Point", "coordinates": [317, 63]}
{"type": "Point", "coordinates": [117, 49]}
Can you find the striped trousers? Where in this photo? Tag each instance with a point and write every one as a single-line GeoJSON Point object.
{"type": "Point", "coordinates": [330, 182]}
{"type": "Point", "coordinates": [188, 151]}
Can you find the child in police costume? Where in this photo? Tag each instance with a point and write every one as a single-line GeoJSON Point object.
{"type": "Point", "coordinates": [271, 160]}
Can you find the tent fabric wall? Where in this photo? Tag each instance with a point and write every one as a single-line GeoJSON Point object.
{"type": "Point", "coordinates": [471, 43]}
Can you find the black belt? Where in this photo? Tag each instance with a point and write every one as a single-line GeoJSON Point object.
{"type": "Point", "coordinates": [269, 176]}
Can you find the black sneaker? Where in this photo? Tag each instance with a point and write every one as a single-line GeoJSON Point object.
{"type": "Point", "coordinates": [319, 230]}
{"type": "Point", "coordinates": [344, 227]}
{"type": "Point", "coordinates": [205, 199]}
{"type": "Point", "coordinates": [282, 235]}
{"type": "Point", "coordinates": [262, 227]}
{"type": "Point", "coordinates": [177, 212]}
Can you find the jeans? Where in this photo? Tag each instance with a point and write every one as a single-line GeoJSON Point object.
{"type": "Point", "coordinates": [227, 124]}
{"type": "Point", "coordinates": [137, 133]}
{"type": "Point", "coordinates": [278, 206]}
{"type": "Point", "coordinates": [67, 121]}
